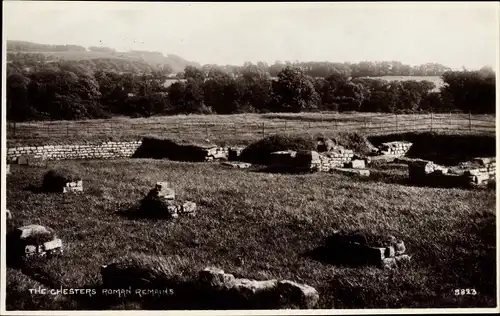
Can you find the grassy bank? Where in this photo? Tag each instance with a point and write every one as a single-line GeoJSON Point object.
{"type": "Point", "coordinates": [271, 221]}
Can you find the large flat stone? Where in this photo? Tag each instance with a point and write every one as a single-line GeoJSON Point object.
{"type": "Point", "coordinates": [297, 295]}
{"type": "Point", "coordinates": [360, 172]}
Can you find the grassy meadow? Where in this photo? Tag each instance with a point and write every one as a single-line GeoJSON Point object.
{"type": "Point", "coordinates": [271, 221]}
{"type": "Point", "coordinates": [240, 129]}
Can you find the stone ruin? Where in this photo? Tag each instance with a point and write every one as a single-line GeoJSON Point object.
{"type": "Point", "coordinates": [32, 160]}
{"type": "Point", "coordinates": [281, 294]}
{"type": "Point", "coordinates": [476, 173]}
{"type": "Point", "coordinates": [388, 152]}
{"type": "Point", "coordinates": [396, 148]}
{"type": "Point", "coordinates": [216, 153]}
{"type": "Point", "coordinates": [74, 186]}
{"type": "Point", "coordinates": [234, 153]}
{"type": "Point", "coordinates": [339, 159]}
{"type": "Point", "coordinates": [211, 285]}
{"type": "Point", "coordinates": [33, 241]}
{"type": "Point", "coordinates": [366, 249]}
{"type": "Point", "coordinates": [160, 202]}
{"type": "Point", "coordinates": [62, 181]}
{"type": "Point", "coordinates": [237, 164]}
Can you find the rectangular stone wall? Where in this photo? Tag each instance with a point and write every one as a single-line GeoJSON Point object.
{"type": "Point", "coordinates": [311, 160]}
{"type": "Point", "coordinates": [106, 150]}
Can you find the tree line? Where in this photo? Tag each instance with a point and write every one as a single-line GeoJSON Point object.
{"type": "Point", "coordinates": [84, 89]}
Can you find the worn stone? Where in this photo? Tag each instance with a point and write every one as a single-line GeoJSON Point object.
{"type": "Point", "coordinates": [357, 164]}
{"type": "Point", "coordinates": [35, 234]}
{"type": "Point", "coordinates": [295, 294]}
{"type": "Point", "coordinates": [239, 165]}
{"type": "Point", "coordinates": [8, 214]}
{"type": "Point", "coordinates": [360, 172]}
{"type": "Point", "coordinates": [390, 252]}
{"type": "Point", "coordinates": [215, 277]}
{"type": "Point", "coordinates": [389, 263]}
{"type": "Point", "coordinates": [248, 288]}
{"type": "Point", "coordinates": [403, 260]}
{"type": "Point", "coordinates": [188, 208]}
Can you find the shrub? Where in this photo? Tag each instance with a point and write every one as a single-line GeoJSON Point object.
{"type": "Point", "coordinates": [260, 151]}
{"type": "Point", "coordinates": [55, 179]}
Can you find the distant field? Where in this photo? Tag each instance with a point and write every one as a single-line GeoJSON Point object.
{"type": "Point", "coordinates": [437, 80]}
{"type": "Point", "coordinates": [240, 128]}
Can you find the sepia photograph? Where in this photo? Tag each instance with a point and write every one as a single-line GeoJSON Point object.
{"type": "Point", "coordinates": [249, 157]}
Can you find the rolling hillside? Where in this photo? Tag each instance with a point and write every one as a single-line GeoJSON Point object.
{"type": "Point", "coordinates": [73, 52]}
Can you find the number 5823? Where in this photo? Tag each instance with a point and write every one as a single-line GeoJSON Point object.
{"type": "Point", "coordinates": [465, 292]}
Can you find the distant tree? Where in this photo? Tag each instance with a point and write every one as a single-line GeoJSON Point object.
{"type": "Point", "coordinates": [194, 73]}
{"type": "Point", "coordinates": [470, 90]}
{"type": "Point", "coordinates": [294, 91]}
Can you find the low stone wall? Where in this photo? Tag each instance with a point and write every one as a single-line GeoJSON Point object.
{"type": "Point", "coordinates": [311, 160]}
{"type": "Point", "coordinates": [478, 172]}
{"type": "Point", "coordinates": [397, 148]}
{"type": "Point", "coordinates": [106, 150]}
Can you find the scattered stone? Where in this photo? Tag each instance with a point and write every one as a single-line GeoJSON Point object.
{"type": "Point", "coordinates": [400, 248]}
{"type": "Point", "coordinates": [73, 187]}
{"type": "Point", "coordinates": [325, 144]}
{"type": "Point", "coordinates": [364, 248]}
{"type": "Point", "coordinates": [216, 278]}
{"type": "Point", "coordinates": [389, 263]}
{"type": "Point", "coordinates": [62, 180]}
{"type": "Point", "coordinates": [295, 294]}
{"type": "Point", "coordinates": [160, 202]}
{"type": "Point", "coordinates": [7, 169]}
{"type": "Point", "coordinates": [403, 260]}
{"type": "Point", "coordinates": [282, 294]}
{"type": "Point", "coordinates": [249, 288]}
{"type": "Point", "coordinates": [34, 241]}
{"type": "Point", "coordinates": [8, 214]}
{"type": "Point", "coordinates": [163, 190]}
{"type": "Point", "coordinates": [35, 234]}
{"type": "Point", "coordinates": [397, 148]}
{"type": "Point", "coordinates": [381, 159]}
{"type": "Point", "coordinates": [23, 160]}
{"type": "Point", "coordinates": [239, 165]}
{"type": "Point", "coordinates": [360, 172]}
{"type": "Point", "coordinates": [356, 164]}
{"type": "Point", "coordinates": [234, 153]}
{"type": "Point", "coordinates": [188, 208]}
{"type": "Point", "coordinates": [390, 252]}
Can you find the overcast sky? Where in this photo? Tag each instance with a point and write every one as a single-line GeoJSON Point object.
{"type": "Point", "coordinates": [454, 34]}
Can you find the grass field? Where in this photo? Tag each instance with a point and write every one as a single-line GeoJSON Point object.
{"type": "Point", "coordinates": [272, 221]}
{"type": "Point", "coordinates": [437, 80]}
{"type": "Point", "coordinates": [242, 128]}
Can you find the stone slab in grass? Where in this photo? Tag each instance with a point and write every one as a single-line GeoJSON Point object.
{"type": "Point", "coordinates": [239, 165]}
{"type": "Point", "coordinates": [297, 295]}
{"type": "Point", "coordinates": [33, 241]}
{"type": "Point", "coordinates": [352, 171]}
{"type": "Point", "coordinates": [356, 164]}
{"type": "Point", "coordinates": [234, 153]}
{"type": "Point", "coordinates": [381, 159]}
{"type": "Point", "coordinates": [162, 190]}
{"type": "Point", "coordinates": [160, 202]}
{"type": "Point", "coordinates": [62, 180]}
{"type": "Point", "coordinates": [277, 294]}
{"type": "Point", "coordinates": [365, 248]}
{"type": "Point", "coordinates": [7, 169]}
{"type": "Point", "coordinates": [8, 214]}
